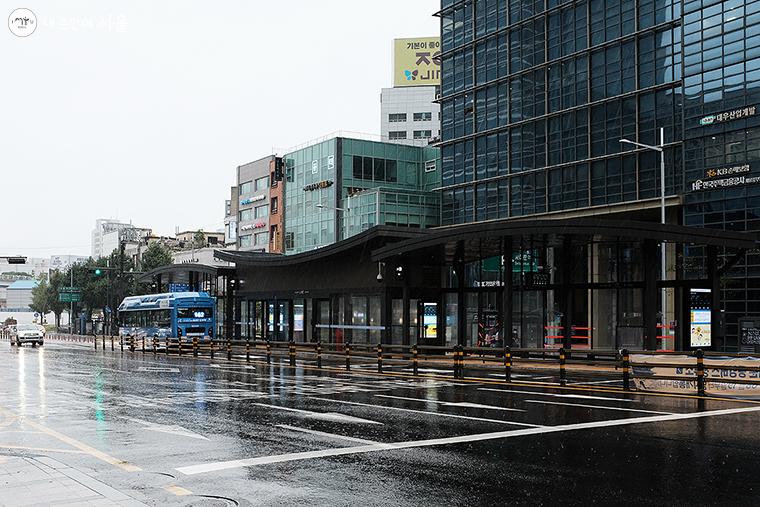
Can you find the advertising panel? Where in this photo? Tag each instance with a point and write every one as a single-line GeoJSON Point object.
{"type": "Point", "coordinates": [417, 62]}
{"type": "Point", "coordinates": [700, 325]}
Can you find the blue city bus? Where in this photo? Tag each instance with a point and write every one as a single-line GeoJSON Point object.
{"type": "Point", "coordinates": [172, 315]}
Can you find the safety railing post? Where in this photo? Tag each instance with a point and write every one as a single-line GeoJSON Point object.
{"type": "Point", "coordinates": [700, 372]}
{"type": "Point", "coordinates": [143, 344]}
{"type": "Point", "coordinates": [179, 345]}
{"type": "Point", "coordinates": [96, 343]}
{"type": "Point", "coordinates": [319, 354]}
{"type": "Point", "coordinates": [248, 350]}
{"type": "Point", "coordinates": [212, 348]}
{"type": "Point", "coordinates": [379, 358]}
{"type": "Point", "coordinates": [112, 347]}
{"type": "Point", "coordinates": [229, 349]}
{"type": "Point", "coordinates": [508, 364]}
{"type": "Point", "coordinates": [348, 357]}
{"type": "Point", "coordinates": [626, 370]}
{"type": "Point", "coordinates": [269, 352]}
{"type": "Point", "coordinates": [155, 345]}
{"type": "Point", "coordinates": [456, 361]}
{"type": "Point", "coordinates": [562, 372]}
{"type": "Point", "coordinates": [415, 360]}
{"type": "Point", "coordinates": [292, 352]}
{"type": "Point", "coordinates": [167, 342]}
{"type": "Point", "coordinates": [195, 346]}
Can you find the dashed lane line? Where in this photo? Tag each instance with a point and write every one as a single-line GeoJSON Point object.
{"type": "Point", "coordinates": [460, 404]}
{"type": "Point", "coordinates": [326, 435]}
{"type": "Point", "coordinates": [555, 395]}
{"type": "Point", "coordinates": [326, 453]}
{"type": "Point", "coordinates": [440, 414]}
{"type": "Point", "coordinates": [601, 407]}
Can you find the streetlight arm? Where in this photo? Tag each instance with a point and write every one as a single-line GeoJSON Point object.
{"type": "Point", "coordinates": [641, 145]}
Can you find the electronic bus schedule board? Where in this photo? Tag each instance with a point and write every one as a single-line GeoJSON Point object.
{"type": "Point", "coordinates": [700, 321]}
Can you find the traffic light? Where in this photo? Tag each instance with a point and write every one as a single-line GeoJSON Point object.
{"type": "Point", "coordinates": [97, 272]}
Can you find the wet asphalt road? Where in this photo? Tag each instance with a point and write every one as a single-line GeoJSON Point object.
{"type": "Point", "coordinates": [184, 431]}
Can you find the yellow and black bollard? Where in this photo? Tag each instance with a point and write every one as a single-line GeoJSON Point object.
{"type": "Point", "coordinates": [143, 344]}
{"type": "Point", "coordinates": [700, 372]}
{"type": "Point", "coordinates": [456, 361]}
{"type": "Point", "coordinates": [195, 346]}
{"type": "Point", "coordinates": [155, 345]}
{"type": "Point", "coordinates": [167, 342]}
{"type": "Point", "coordinates": [112, 348]}
{"type": "Point", "coordinates": [229, 350]}
{"type": "Point", "coordinates": [131, 343]}
{"type": "Point", "coordinates": [121, 342]}
{"type": "Point", "coordinates": [415, 360]}
{"type": "Point", "coordinates": [292, 352]}
{"type": "Point", "coordinates": [562, 372]}
{"type": "Point", "coordinates": [180, 341]}
{"type": "Point", "coordinates": [212, 348]}
{"type": "Point", "coordinates": [319, 354]}
{"type": "Point", "coordinates": [247, 350]}
{"type": "Point", "coordinates": [348, 357]}
{"type": "Point", "coordinates": [626, 370]}
{"type": "Point", "coordinates": [508, 364]}
{"type": "Point", "coordinates": [379, 357]}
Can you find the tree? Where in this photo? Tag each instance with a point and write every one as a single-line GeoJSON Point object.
{"type": "Point", "coordinates": [199, 239]}
{"type": "Point", "coordinates": [57, 280]}
{"type": "Point", "coordinates": [41, 299]}
{"type": "Point", "coordinates": [156, 256]}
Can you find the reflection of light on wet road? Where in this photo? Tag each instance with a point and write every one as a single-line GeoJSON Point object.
{"type": "Point", "coordinates": [100, 416]}
{"type": "Point", "coordinates": [200, 390]}
{"type": "Point", "coordinates": [21, 381]}
{"type": "Point", "coordinates": [41, 382]}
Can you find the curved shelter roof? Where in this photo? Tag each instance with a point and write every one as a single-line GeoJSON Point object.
{"type": "Point", "coordinates": [479, 238]}
{"type": "Point", "coordinates": [178, 269]}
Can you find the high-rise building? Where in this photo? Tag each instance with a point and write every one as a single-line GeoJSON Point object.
{"type": "Point", "coordinates": [409, 111]}
{"type": "Point", "coordinates": [258, 200]}
{"type": "Point", "coordinates": [104, 226]}
{"type": "Point", "coordinates": [537, 96]}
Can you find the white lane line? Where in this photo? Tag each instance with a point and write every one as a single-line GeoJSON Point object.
{"type": "Point", "coordinates": [601, 407]}
{"type": "Point", "coordinates": [322, 416]}
{"type": "Point", "coordinates": [454, 416]}
{"type": "Point", "coordinates": [462, 404]}
{"type": "Point", "coordinates": [326, 435]}
{"type": "Point", "coordinates": [296, 456]}
{"type": "Point", "coordinates": [596, 382]}
{"type": "Point", "coordinates": [537, 393]}
{"type": "Point", "coordinates": [516, 375]}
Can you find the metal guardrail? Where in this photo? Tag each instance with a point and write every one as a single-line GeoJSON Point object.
{"type": "Point", "coordinates": [456, 358]}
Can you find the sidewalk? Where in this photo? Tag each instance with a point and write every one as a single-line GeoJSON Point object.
{"type": "Point", "coordinates": [39, 480]}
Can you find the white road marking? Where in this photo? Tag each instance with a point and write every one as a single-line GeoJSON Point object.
{"type": "Point", "coordinates": [537, 393]}
{"type": "Point", "coordinates": [454, 416]}
{"type": "Point", "coordinates": [171, 429]}
{"type": "Point", "coordinates": [596, 382]}
{"type": "Point", "coordinates": [462, 404]}
{"type": "Point", "coordinates": [322, 416]}
{"type": "Point", "coordinates": [596, 406]}
{"type": "Point", "coordinates": [327, 435]}
{"type": "Point", "coordinates": [153, 369]}
{"type": "Point", "coordinates": [326, 453]}
{"type": "Point", "coordinates": [519, 375]}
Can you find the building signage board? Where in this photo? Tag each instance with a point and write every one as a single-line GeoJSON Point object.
{"type": "Point", "coordinates": [417, 62]}
{"type": "Point", "coordinates": [725, 177]}
{"type": "Point", "coordinates": [257, 225]}
{"type": "Point", "coordinates": [736, 114]}
{"type": "Point", "coordinates": [253, 199]}
{"type": "Point", "coordinates": [318, 185]}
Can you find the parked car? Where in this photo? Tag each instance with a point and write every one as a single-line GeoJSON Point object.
{"type": "Point", "coordinates": [27, 333]}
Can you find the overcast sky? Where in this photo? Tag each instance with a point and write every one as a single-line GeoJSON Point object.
{"type": "Point", "coordinates": [142, 109]}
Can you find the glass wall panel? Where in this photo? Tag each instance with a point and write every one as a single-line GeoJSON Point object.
{"type": "Point", "coordinates": [299, 315]}
{"type": "Point", "coordinates": [359, 318]}
{"type": "Point", "coordinates": [375, 319]}
{"type": "Point", "coordinates": [452, 319]}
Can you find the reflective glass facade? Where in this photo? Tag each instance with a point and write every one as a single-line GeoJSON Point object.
{"type": "Point", "coordinates": [536, 95]}
{"type": "Point", "coordinates": [341, 187]}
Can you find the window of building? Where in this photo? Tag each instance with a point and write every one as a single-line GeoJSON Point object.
{"type": "Point", "coordinates": [245, 241]}
{"type": "Point", "coordinates": [261, 238]}
{"type": "Point", "coordinates": [245, 215]}
{"type": "Point", "coordinates": [430, 166]}
{"type": "Point", "coordinates": [262, 211]}
{"type": "Point", "coordinates": [397, 134]}
{"type": "Point", "coordinates": [245, 188]}
{"type": "Point", "coordinates": [377, 169]}
{"type": "Point", "coordinates": [423, 116]}
{"type": "Point", "coordinates": [273, 233]}
{"type": "Point", "coordinates": [274, 205]}
{"type": "Point", "coordinates": [289, 240]}
{"type": "Point", "coordinates": [396, 117]}
{"type": "Point", "coordinates": [423, 134]}
{"type": "Point", "coordinates": [262, 183]}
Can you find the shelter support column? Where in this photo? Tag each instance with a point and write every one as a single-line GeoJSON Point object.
{"type": "Point", "coordinates": [713, 276]}
{"type": "Point", "coordinates": [651, 294]}
{"type": "Point", "coordinates": [507, 306]}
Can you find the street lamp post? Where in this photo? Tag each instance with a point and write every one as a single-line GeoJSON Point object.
{"type": "Point", "coordinates": [663, 273]}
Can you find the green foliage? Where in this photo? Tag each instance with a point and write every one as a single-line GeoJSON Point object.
{"type": "Point", "coordinates": [156, 256]}
{"type": "Point", "coordinates": [41, 301]}
{"type": "Point", "coordinates": [199, 239]}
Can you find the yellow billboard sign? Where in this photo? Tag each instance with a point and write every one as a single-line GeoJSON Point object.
{"type": "Point", "coordinates": [417, 62]}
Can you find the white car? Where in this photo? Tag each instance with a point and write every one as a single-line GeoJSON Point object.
{"type": "Point", "coordinates": [27, 333]}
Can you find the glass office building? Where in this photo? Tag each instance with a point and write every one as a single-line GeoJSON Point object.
{"type": "Point", "coordinates": [536, 96]}
{"type": "Point", "coordinates": [342, 186]}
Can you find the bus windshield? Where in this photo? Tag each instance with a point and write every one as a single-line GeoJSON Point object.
{"type": "Point", "coordinates": [194, 313]}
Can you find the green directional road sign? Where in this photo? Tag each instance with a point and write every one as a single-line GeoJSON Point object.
{"type": "Point", "coordinates": [68, 289]}
{"type": "Point", "coordinates": [69, 297]}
